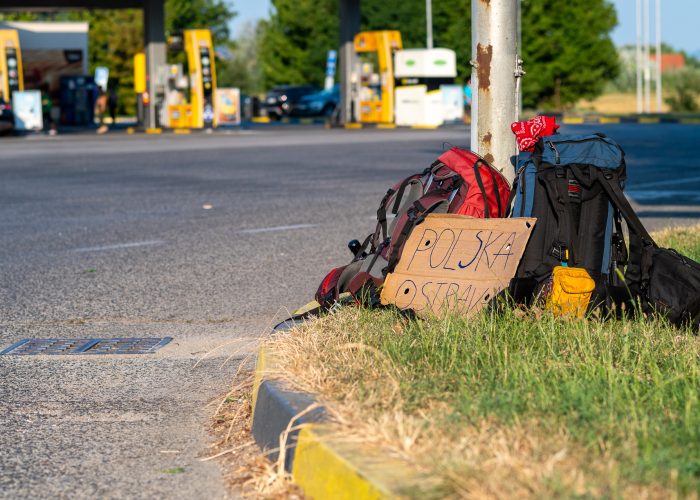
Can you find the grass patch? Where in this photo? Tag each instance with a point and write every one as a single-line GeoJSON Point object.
{"type": "Point", "coordinates": [518, 404]}
{"type": "Point", "coordinates": [174, 470]}
{"type": "Point", "coordinates": [686, 240]}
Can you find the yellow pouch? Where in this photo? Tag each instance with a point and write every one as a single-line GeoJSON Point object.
{"type": "Point", "coordinates": [572, 288]}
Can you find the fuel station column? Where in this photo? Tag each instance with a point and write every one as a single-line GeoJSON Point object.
{"type": "Point", "coordinates": [154, 33]}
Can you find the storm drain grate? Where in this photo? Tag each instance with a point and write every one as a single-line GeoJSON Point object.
{"type": "Point", "coordinates": [28, 347]}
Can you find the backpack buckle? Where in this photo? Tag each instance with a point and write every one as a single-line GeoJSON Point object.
{"type": "Point", "coordinates": [411, 213]}
{"type": "Point", "coordinates": [560, 252]}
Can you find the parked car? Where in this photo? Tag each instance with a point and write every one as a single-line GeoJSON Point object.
{"type": "Point", "coordinates": [280, 100]}
{"type": "Point", "coordinates": [319, 104]}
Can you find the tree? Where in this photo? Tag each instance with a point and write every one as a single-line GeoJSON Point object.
{"type": "Point", "coordinates": [296, 41]}
{"type": "Point", "coordinates": [115, 48]}
{"type": "Point", "coordinates": [685, 87]}
{"type": "Point", "coordinates": [567, 50]}
{"type": "Point", "coordinates": [300, 33]}
{"type": "Point", "coordinates": [213, 15]}
{"type": "Point", "coordinates": [241, 68]}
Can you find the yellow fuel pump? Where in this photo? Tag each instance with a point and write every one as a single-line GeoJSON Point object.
{"type": "Point", "coordinates": [375, 99]}
{"type": "Point", "coordinates": [11, 76]}
{"type": "Point", "coordinates": [185, 96]}
{"type": "Point", "coordinates": [202, 72]}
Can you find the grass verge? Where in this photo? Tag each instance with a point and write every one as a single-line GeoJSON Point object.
{"type": "Point", "coordinates": [519, 404]}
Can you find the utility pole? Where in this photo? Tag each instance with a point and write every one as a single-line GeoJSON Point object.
{"type": "Point", "coordinates": [429, 23]}
{"type": "Point", "coordinates": [638, 56]}
{"type": "Point", "coordinates": [497, 69]}
{"type": "Point", "coordinates": [658, 55]}
{"type": "Point", "coordinates": [647, 59]}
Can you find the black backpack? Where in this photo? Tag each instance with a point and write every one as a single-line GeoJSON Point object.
{"type": "Point", "coordinates": [563, 184]}
{"type": "Point", "coordinates": [573, 185]}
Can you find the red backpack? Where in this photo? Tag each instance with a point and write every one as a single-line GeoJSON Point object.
{"type": "Point", "coordinates": [458, 182]}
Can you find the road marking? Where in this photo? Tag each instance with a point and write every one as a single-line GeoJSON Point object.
{"type": "Point", "coordinates": [670, 182]}
{"type": "Point", "coordinates": [641, 196]}
{"type": "Point", "coordinates": [276, 228]}
{"type": "Point", "coordinates": [119, 245]}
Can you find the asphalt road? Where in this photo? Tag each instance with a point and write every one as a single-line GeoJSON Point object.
{"type": "Point", "coordinates": [109, 236]}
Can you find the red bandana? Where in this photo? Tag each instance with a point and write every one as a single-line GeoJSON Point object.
{"type": "Point", "coordinates": [527, 133]}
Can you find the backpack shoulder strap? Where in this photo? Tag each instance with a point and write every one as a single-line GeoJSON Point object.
{"type": "Point", "coordinates": [639, 236]}
{"type": "Point", "coordinates": [610, 182]}
{"type": "Point", "coordinates": [556, 184]}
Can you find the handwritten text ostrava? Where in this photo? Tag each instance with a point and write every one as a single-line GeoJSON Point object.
{"type": "Point", "coordinates": [453, 262]}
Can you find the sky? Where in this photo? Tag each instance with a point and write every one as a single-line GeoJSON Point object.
{"type": "Point", "coordinates": [679, 21]}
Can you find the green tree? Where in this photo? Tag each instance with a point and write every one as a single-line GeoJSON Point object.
{"type": "Point", "coordinates": [213, 15]}
{"type": "Point", "coordinates": [567, 50]}
{"type": "Point", "coordinates": [685, 87]}
{"type": "Point", "coordinates": [115, 48]}
{"type": "Point", "coordinates": [296, 41]}
{"type": "Point", "coordinates": [300, 33]}
{"type": "Point", "coordinates": [241, 68]}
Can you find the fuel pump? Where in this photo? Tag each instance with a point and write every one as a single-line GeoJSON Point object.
{"type": "Point", "coordinates": [202, 73]}
{"type": "Point", "coordinates": [185, 93]}
{"type": "Point", "coordinates": [11, 76]}
{"type": "Point", "coordinates": [375, 85]}
{"type": "Point", "coordinates": [174, 110]}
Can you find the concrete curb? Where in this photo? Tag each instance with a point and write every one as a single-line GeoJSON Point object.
{"type": "Point", "coordinates": [321, 463]}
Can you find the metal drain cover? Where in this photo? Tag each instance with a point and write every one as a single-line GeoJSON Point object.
{"type": "Point", "coordinates": [28, 347]}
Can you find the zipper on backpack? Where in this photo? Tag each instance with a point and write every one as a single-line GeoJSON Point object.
{"type": "Point", "coordinates": [557, 158]}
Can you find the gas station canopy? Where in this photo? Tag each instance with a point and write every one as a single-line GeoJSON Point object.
{"type": "Point", "coordinates": [154, 32]}
{"type": "Point", "coordinates": [153, 21]}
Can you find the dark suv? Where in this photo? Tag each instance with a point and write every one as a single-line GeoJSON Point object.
{"type": "Point", "coordinates": [280, 100]}
{"type": "Point", "coordinates": [321, 103]}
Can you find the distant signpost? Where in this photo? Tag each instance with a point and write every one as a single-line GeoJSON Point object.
{"type": "Point", "coordinates": [331, 62]}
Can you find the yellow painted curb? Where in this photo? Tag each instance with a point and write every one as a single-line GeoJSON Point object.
{"type": "Point", "coordinates": [130, 130]}
{"type": "Point", "coordinates": [573, 120]}
{"type": "Point", "coordinates": [424, 127]}
{"type": "Point", "coordinates": [386, 125]}
{"type": "Point", "coordinates": [689, 121]}
{"type": "Point", "coordinates": [182, 131]}
{"type": "Point", "coordinates": [328, 466]}
{"type": "Point", "coordinates": [325, 466]}
{"type": "Point", "coordinates": [260, 119]}
{"type": "Point", "coordinates": [609, 119]}
{"type": "Point", "coordinates": [649, 120]}
{"type": "Point", "coordinates": [154, 130]}
{"type": "Point", "coordinates": [306, 121]}
{"type": "Point", "coordinates": [353, 125]}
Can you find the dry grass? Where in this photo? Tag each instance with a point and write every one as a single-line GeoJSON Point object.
{"type": "Point", "coordinates": [486, 457]}
{"type": "Point", "coordinates": [514, 405]}
{"type": "Point", "coordinates": [615, 103]}
{"type": "Point", "coordinates": [248, 472]}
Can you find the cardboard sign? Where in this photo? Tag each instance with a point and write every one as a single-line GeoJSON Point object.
{"type": "Point", "coordinates": [456, 263]}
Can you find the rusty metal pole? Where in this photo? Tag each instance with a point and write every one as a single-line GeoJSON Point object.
{"type": "Point", "coordinates": [497, 69]}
